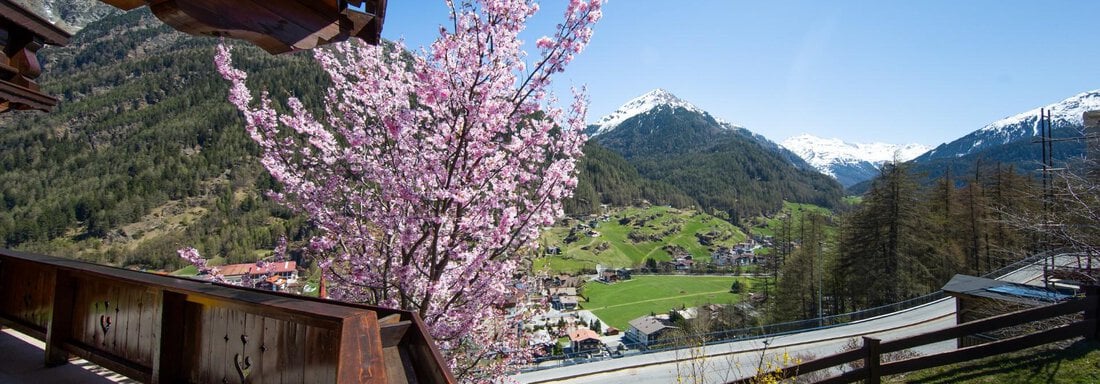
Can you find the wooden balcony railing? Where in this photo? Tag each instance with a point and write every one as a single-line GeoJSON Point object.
{"type": "Point", "coordinates": [162, 329]}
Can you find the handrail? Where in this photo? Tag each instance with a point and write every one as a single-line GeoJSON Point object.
{"type": "Point", "coordinates": [157, 328]}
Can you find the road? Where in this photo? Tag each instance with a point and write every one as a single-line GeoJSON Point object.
{"type": "Point", "coordinates": [725, 362]}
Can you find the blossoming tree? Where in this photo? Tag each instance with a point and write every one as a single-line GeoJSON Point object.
{"type": "Point", "coordinates": [430, 173]}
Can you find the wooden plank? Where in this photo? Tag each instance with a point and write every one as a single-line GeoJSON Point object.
{"type": "Point", "coordinates": [60, 327]}
{"type": "Point", "coordinates": [316, 346]}
{"type": "Point", "coordinates": [985, 350]}
{"type": "Point", "coordinates": [984, 325]}
{"type": "Point", "coordinates": [238, 360]}
{"type": "Point", "coordinates": [195, 347]}
{"type": "Point", "coordinates": [128, 318]}
{"type": "Point", "coordinates": [81, 304]}
{"type": "Point", "coordinates": [287, 366]}
{"type": "Point", "coordinates": [111, 334]}
{"type": "Point", "coordinates": [294, 351]}
{"type": "Point", "coordinates": [151, 305]}
{"type": "Point", "coordinates": [429, 365]}
{"type": "Point", "coordinates": [219, 340]}
{"type": "Point", "coordinates": [818, 364]}
{"type": "Point", "coordinates": [395, 365]}
{"type": "Point", "coordinates": [392, 334]}
{"type": "Point", "coordinates": [389, 319]}
{"type": "Point", "coordinates": [254, 330]}
{"type": "Point", "coordinates": [98, 298]}
{"type": "Point", "coordinates": [169, 339]}
{"type": "Point", "coordinates": [270, 370]}
{"type": "Point", "coordinates": [360, 357]}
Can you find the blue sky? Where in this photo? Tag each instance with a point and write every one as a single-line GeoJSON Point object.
{"type": "Point", "coordinates": [925, 71]}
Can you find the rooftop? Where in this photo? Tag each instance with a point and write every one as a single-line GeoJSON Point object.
{"type": "Point", "coordinates": [252, 268]}
{"type": "Point", "coordinates": [1000, 290]}
{"type": "Point", "coordinates": [648, 325]}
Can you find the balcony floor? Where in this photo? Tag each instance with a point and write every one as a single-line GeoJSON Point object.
{"type": "Point", "coordinates": [22, 362]}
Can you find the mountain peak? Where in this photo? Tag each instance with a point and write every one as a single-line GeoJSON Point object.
{"type": "Point", "coordinates": [830, 156]}
{"type": "Point", "coordinates": [642, 104]}
{"type": "Point", "coordinates": [1068, 111]}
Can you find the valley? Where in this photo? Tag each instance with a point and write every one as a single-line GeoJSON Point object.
{"type": "Point", "coordinates": [679, 223]}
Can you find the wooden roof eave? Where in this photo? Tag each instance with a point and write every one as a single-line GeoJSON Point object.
{"type": "Point", "coordinates": [277, 26]}
{"type": "Point", "coordinates": [30, 21]}
{"type": "Point", "coordinates": [15, 97]}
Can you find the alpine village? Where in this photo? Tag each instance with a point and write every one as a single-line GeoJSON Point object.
{"type": "Point", "coordinates": [284, 191]}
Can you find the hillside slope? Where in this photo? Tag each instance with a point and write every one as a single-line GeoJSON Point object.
{"type": "Point", "coordinates": [722, 166]}
{"type": "Point", "coordinates": [143, 154]}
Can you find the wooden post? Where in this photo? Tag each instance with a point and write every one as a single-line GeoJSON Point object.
{"type": "Point", "coordinates": [169, 353]}
{"type": "Point", "coordinates": [1092, 310]}
{"type": "Point", "coordinates": [60, 325]}
{"type": "Point", "coordinates": [871, 359]}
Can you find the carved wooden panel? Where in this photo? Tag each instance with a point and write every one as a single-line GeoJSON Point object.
{"type": "Point", "coordinates": [117, 318]}
{"type": "Point", "coordinates": [28, 292]}
{"type": "Point", "coordinates": [230, 345]}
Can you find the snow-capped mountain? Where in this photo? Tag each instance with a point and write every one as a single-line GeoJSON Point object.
{"type": "Point", "coordinates": [719, 165]}
{"type": "Point", "coordinates": [1010, 143]}
{"type": "Point", "coordinates": [849, 163]}
{"type": "Point", "coordinates": [656, 98]}
{"type": "Point", "coordinates": [706, 127]}
{"type": "Point", "coordinates": [1065, 118]}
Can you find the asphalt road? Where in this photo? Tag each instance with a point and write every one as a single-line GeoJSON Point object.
{"type": "Point", "coordinates": [724, 362]}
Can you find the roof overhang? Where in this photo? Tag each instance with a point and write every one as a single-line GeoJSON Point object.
{"type": "Point", "coordinates": [277, 26]}
{"type": "Point", "coordinates": [22, 33]}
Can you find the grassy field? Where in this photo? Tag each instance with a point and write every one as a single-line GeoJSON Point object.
{"type": "Point", "coordinates": [618, 303]}
{"type": "Point", "coordinates": [653, 228]}
{"type": "Point", "coordinates": [768, 226]}
{"type": "Point", "coordinates": [1077, 363]}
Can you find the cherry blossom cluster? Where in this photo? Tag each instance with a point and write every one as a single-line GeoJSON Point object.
{"type": "Point", "coordinates": [430, 173]}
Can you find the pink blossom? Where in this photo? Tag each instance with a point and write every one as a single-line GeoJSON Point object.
{"type": "Point", "coordinates": [428, 177]}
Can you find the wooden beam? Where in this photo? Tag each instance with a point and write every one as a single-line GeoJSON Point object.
{"type": "Point", "coordinates": [14, 15]}
{"type": "Point", "coordinates": [277, 26]}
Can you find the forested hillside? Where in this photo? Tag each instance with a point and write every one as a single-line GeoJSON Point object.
{"type": "Point", "coordinates": [606, 178]}
{"type": "Point", "coordinates": [143, 155]}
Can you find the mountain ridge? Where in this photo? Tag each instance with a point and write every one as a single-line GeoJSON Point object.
{"type": "Point", "coordinates": [722, 166]}
{"type": "Point", "coordinates": [1066, 120]}
{"type": "Point", "coordinates": [849, 163]}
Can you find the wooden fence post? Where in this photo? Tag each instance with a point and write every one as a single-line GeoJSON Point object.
{"type": "Point", "coordinates": [1092, 309]}
{"type": "Point", "coordinates": [871, 359]}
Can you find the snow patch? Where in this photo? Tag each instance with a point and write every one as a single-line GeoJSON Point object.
{"type": "Point", "coordinates": [1067, 111]}
{"type": "Point", "coordinates": [823, 153]}
{"type": "Point", "coordinates": [644, 103]}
